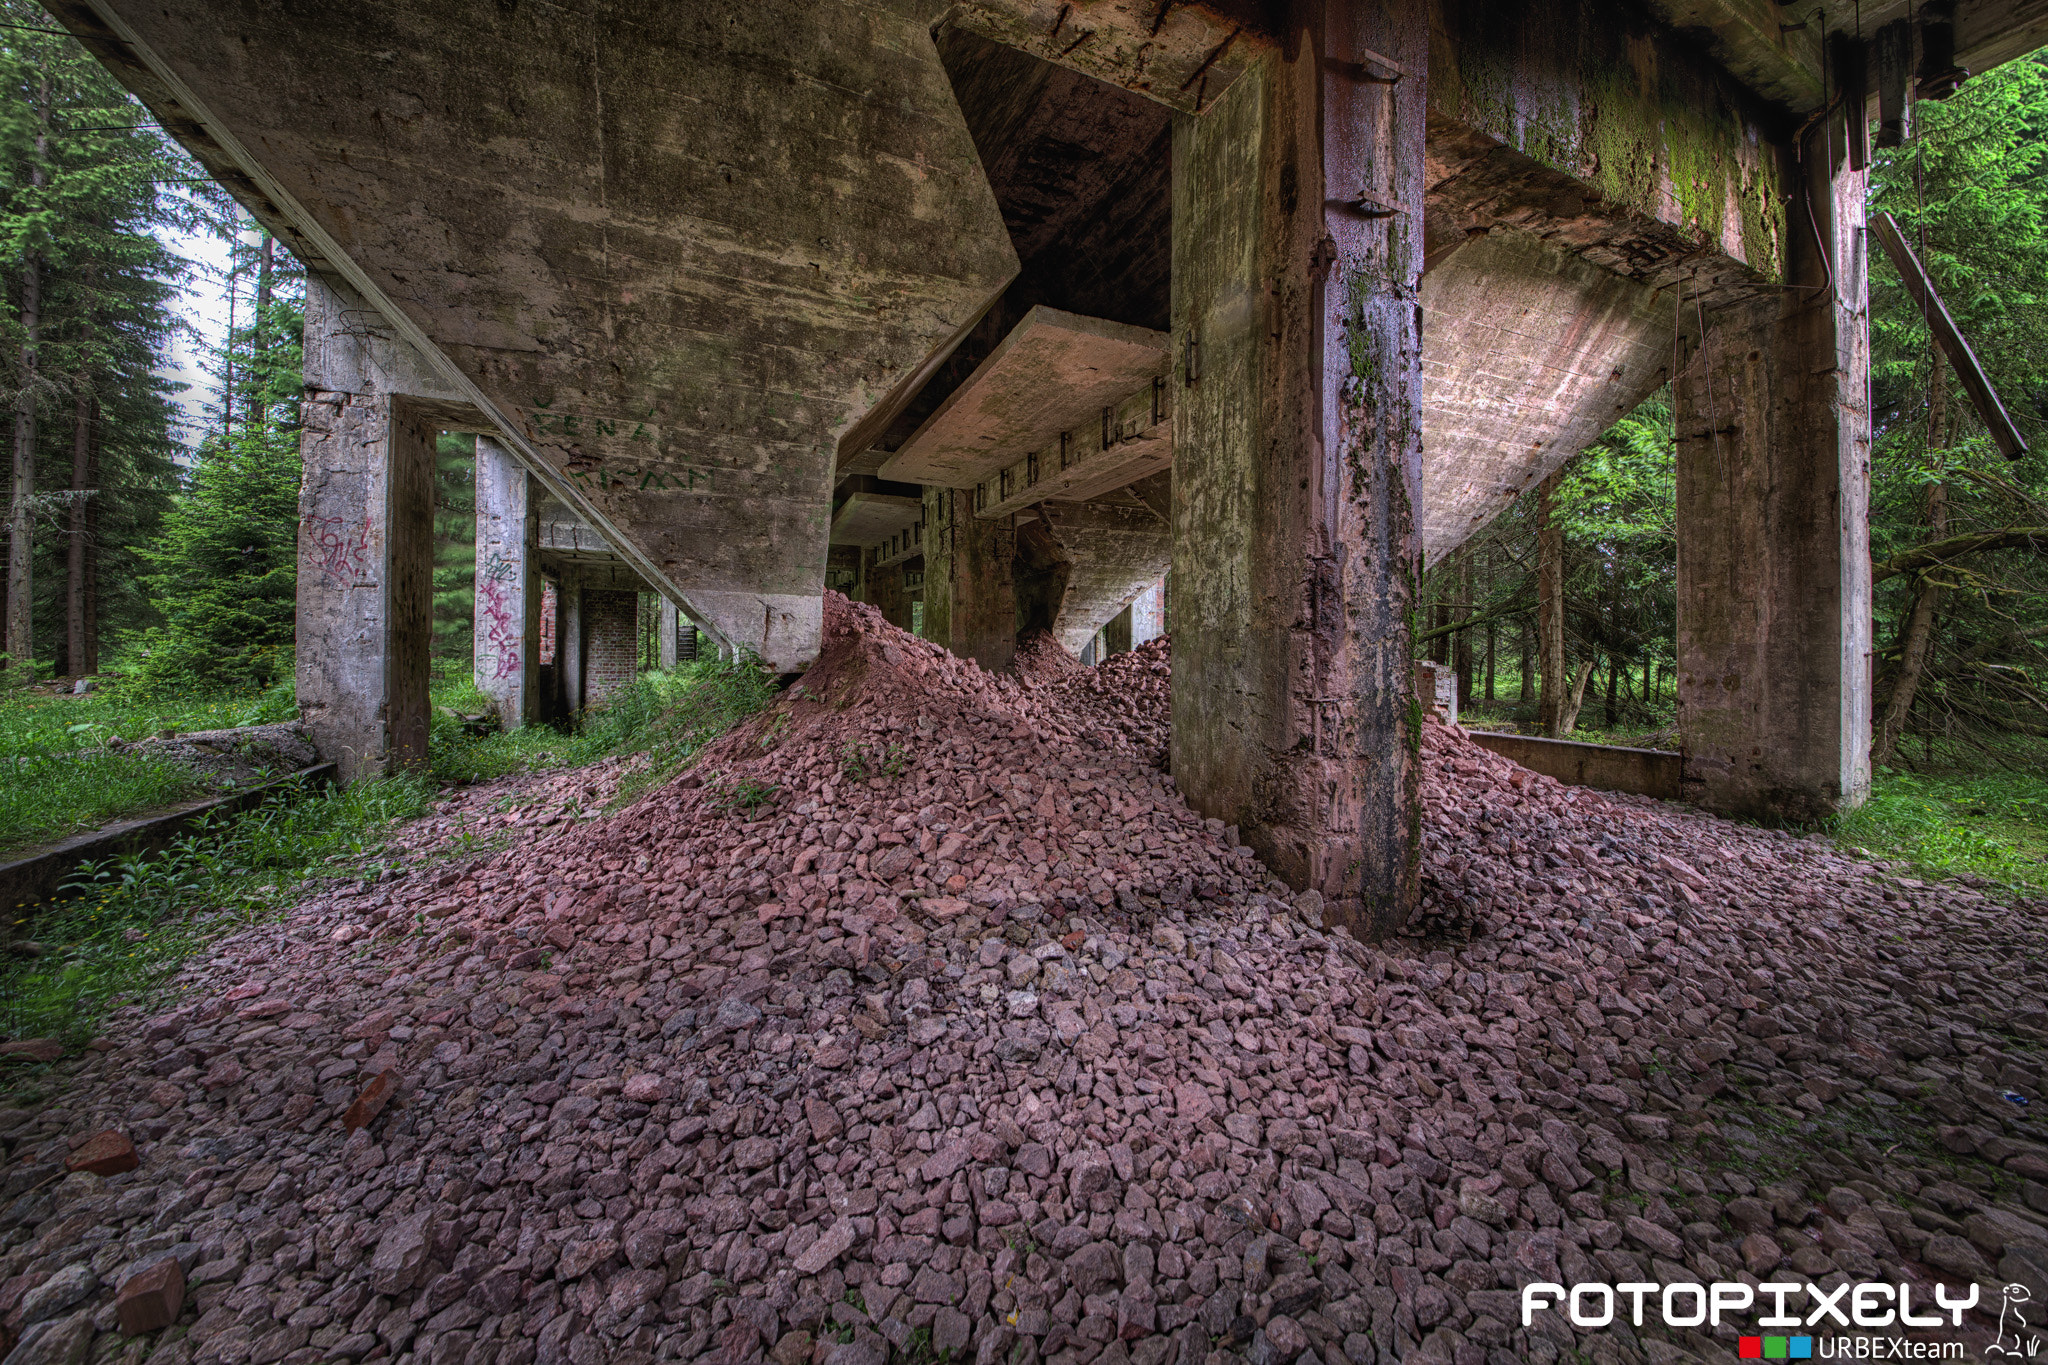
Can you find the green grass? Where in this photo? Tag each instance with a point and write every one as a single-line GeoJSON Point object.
{"type": "Point", "coordinates": [670, 715]}
{"type": "Point", "coordinates": [58, 778]}
{"type": "Point", "coordinates": [1991, 825]}
{"type": "Point", "coordinates": [133, 921]}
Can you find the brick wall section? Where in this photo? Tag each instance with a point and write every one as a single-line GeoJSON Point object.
{"type": "Point", "coordinates": [547, 624]}
{"type": "Point", "coordinates": [609, 622]}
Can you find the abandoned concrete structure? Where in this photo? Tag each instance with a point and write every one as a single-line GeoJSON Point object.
{"type": "Point", "coordinates": [1006, 307]}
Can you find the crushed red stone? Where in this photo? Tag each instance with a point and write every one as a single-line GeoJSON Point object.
{"type": "Point", "coordinates": [921, 1015]}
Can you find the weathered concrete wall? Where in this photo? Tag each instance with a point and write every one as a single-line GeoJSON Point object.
{"type": "Point", "coordinates": [970, 602]}
{"type": "Point", "coordinates": [1604, 767]}
{"type": "Point", "coordinates": [507, 609]}
{"type": "Point", "coordinates": [884, 588]}
{"type": "Point", "coordinates": [667, 651]}
{"type": "Point", "coordinates": [569, 677]}
{"type": "Point", "coordinates": [675, 259]}
{"type": "Point", "coordinates": [1114, 551]}
{"type": "Point", "coordinates": [366, 537]}
{"type": "Point", "coordinates": [1774, 634]}
{"type": "Point", "coordinates": [1529, 353]}
{"type": "Point", "coordinates": [1297, 451]}
{"type": "Point", "coordinates": [1649, 127]}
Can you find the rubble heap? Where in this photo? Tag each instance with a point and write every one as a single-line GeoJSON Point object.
{"type": "Point", "coordinates": [921, 1016]}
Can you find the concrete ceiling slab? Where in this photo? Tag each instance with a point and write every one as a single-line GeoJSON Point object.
{"type": "Point", "coordinates": [1054, 372]}
{"type": "Point", "coordinates": [1529, 353]}
{"type": "Point", "coordinates": [674, 254]}
{"type": "Point", "coordinates": [866, 519]}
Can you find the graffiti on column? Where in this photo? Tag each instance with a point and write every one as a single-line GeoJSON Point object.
{"type": "Point", "coordinates": [340, 555]}
{"type": "Point", "coordinates": [504, 626]}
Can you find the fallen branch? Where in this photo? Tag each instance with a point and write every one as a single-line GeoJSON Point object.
{"type": "Point", "coordinates": [1976, 542]}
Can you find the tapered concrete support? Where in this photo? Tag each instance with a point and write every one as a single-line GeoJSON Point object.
{"type": "Point", "coordinates": [1774, 592]}
{"type": "Point", "coordinates": [1113, 551]}
{"type": "Point", "coordinates": [366, 542]}
{"type": "Point", "coordinates": [1297, 250]}
{"type": "Point", "coordinates": [970, 598]}
{"type": "Point", "coordinates": [1148, 615]}
{"type": "Point", "coordinates": [507, 619]}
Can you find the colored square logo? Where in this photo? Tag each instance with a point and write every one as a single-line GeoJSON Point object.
{"type": "Point", "coordinates": [1750, 1348]}
{"type": "Point", "coordinates": [1802, 1348]}
{"type": "Point", "coordinates": [1777, 1348]}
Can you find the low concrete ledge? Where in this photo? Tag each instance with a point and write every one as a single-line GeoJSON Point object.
{"type": "Point", "coordinates": [39, 875]}
{"type": "Point", "coordinates": [1605, 767]}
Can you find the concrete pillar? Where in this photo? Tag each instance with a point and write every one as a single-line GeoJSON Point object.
{"type": "Point", "coordinates": [1297, 253]}
{"type": "Point", "coordinates": [507, 624]}
{"type": "Point", "coordinates": [670, 624]}
{"type": "Point", "coordinates": [886, 591]}
{"type": "Point", "coordinates": [569, 641]}
{"type": "Point", "coordinates": [1148, 615]}
{"type": "Point", "coordinates": [366, 541]}
{"type": "Point", "coordinates": [970, 600]}
{"type": "Point", "coordinates": [1774, 591]}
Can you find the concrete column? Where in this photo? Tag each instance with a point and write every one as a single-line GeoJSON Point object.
{"type": "Point", "coordinates": [670, 624]}
{"type": "Point", "coordinates": [1774, 592]}
{"type": "Point", "coordinates": [1297, 253]}
{"type": "Point", "coordinates": [1148, 615]}
{"type": "Point", "coordinates": [507, 624]}
{"type": "Point", "coordinates": [970, 600]}
{"type": "Point", "coordinates": [885, 589]}
{"type": "Point", "coordinates": [569, 641]}
{"type": "Point", "coordinates": [366, 541]}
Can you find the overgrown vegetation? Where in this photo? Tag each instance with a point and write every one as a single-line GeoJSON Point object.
{"type": "Point", "coordinates": [135, 920]}
{"type": "Point", "coordinates": [59, 777]}
{"type": "Point", "coordinates": [1960, 821]}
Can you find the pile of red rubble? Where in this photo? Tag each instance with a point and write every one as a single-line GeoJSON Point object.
{"type": "Point", "coordinates": [922, 1018]}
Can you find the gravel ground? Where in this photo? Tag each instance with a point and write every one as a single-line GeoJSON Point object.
{"type": "Point", "coordinates": [921, 1017]}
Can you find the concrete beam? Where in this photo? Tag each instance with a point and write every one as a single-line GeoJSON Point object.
{"type": "Point", "coordinates": [1654, 139]}
{"type": "Point", "coordinates": [1182, 53]}
{"type": "Point", "coordinates": [1297, 451]}
{"type": "Point", "coordinates": [1133, 440]}
{"type": "Point", "coordinates": [682, 376]}
{"type": "Point", "coordinates": [1053, 373]}
{"type": "Point", "coordinates": [1529, 353]}
{"type": "Point", "coordinates": [1774, 588]}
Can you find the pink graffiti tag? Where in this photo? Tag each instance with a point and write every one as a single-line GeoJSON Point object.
{"type": "Point", "coordinates": [340, 556]}
{"type": "Point", "coordinates": [503, 632]}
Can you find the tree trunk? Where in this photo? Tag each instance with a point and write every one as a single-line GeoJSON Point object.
{"type": "Point", "coordinates": [1550, 609]}
{"type": "Point", "coordinates": [1917, 636]}
{"type": "Point", "coordinates": [75, 649]}
{"type": "Point", "coordinates": [1569, 721]}
{"type": "Point", "coordinates": [92, 552]}
{"type": "Point", "coordinates": [20, 641]}
{"type": "Point", "coordinates": [1528, 664]}
{"type": "Point", "coordinates": [1613, 690]}
{"type": "Point", "coordinates": [260, 347]}
{"type": "Point", "coordinates": [1461, 647]}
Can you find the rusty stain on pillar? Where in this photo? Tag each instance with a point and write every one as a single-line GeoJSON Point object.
{"type": "Point", "coordinates": [1297, 447]}
{"type": "Point", "coordinates": [1774, 588]}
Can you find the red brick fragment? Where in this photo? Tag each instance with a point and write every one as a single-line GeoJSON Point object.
{"type": "Point", "coordinates": [108, 1153]}
{"type": "Point", "coordinates": [371, 1102]}
{"type": "Point", "coordinates": [151, 1298]}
